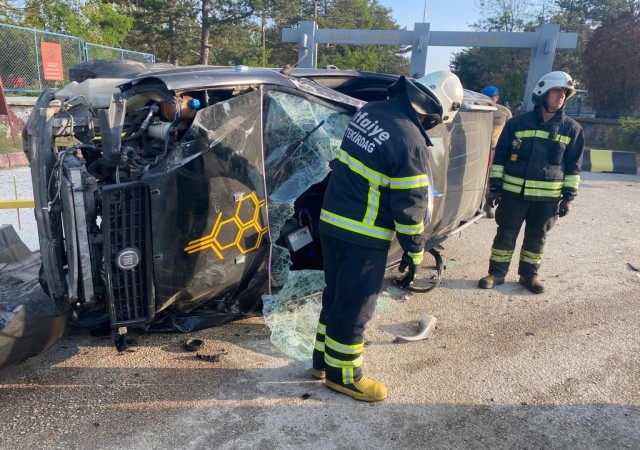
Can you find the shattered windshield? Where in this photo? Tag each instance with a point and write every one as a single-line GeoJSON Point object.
{"type": "Point", "coordinates": [300, 138]}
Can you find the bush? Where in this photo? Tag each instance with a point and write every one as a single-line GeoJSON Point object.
{"type": "Point", "coordinates": [629, 133]}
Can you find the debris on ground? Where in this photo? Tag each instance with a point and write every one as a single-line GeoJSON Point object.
{"type": "Point", "coordinates": [193, 345]}
{"type": "Point", "coordinates": [395, 292]}
{"type": "Point", "coordinates": [214, 357]}
{"type": "Point", "coordinates": [426, 325]}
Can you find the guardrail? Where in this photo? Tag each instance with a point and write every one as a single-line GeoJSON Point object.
{"type": "Point", "coordinates": [17, 203]}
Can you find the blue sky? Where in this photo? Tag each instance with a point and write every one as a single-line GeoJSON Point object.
{"type": "Point", "coordinates": [443, 15]}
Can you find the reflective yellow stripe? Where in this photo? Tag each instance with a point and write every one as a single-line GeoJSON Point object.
{"type": "Point", "coordinates": [514, 189]}
{"type": "Point", "coordinates": [530, 257]}
{"type": "Point", "coordinates": [418, 228]}
{"type": "Point", "coordinates": [497, 171]}
{"type": "Point", "coordinates": [379, 179]}
{"type": "Point", "coordinates": [511, 188]}
{"type": "Point", "coordinates": [339, 363]}
{"type": "Point", "coordinates": [347, 375]}
{"type": "Point", "coordinates": [409, 182]}
{"type": "Point", "coordinates": [538, 188]}
{"type": "Point", "coordinates": [372, 176]}
{"type": "Point", "coordinates": [513, 180]}
{"type": "Point", "coordinates": [532, 134]}
{"type": "Point", "coordinates": [355, 226]}
{"type": "Point", "coordinates": [347, 349]}
{"type": "Point", "coordinates": [533, 192]}
{"type": "Point", "coordinates": [499, 255]}
{"type": "Point", "coordinates": [373, 202]}
{"type": "Point", "coordinates": [322, 328]}
{"type": "Point", "coordinates": [542, 135]}
{"type": "Point", "coordinates": [553, 185]}
{"type": "Point", "coordinates": [319, 346]}
{"type": "Point", "coordinates": [571, 181]}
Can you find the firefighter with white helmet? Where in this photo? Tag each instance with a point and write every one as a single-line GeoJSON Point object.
{"type": "Point", "coordinates": [379, 187]}
{"type": "Point", "coordinates": [533, 179]}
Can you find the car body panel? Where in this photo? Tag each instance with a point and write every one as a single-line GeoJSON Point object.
{"type": "Point", "coordinates": [188, 191]}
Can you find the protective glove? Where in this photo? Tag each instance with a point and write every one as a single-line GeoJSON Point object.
{"type": "Point", "coordinates": [564, 207]}
{"type": "Point", "coordinates": [493, 198]}
{"type": "Point", "coordinates": [410, 260]}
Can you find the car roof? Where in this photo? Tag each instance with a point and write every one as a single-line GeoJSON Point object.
{"type": "Point", "coordinates": [197, 77]}
{"type": "Point", "coordinates": [361, 85]}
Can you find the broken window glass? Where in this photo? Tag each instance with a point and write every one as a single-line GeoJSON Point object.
{"type": "Point", "coordinates": [301, 137]}
{"type": "Point", "coordinates": [292, 314]}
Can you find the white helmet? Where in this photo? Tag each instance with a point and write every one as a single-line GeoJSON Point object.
{"type": "Point", "coordinates": [553, 80]}
{"type": "Point", "coordinates": [446, 87]}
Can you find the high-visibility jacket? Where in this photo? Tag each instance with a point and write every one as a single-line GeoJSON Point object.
{"type": "Point", "coordinates": [539, 160]}
{"type": "Point", "coordinates": [379, 181]}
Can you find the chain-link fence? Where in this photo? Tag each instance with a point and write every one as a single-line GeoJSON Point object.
{"type": "Point", "coordinates": [21, 66]}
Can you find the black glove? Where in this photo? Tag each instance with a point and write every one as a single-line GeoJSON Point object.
{"type": "Point", "coordinates": [493, 198]}
{"type": "Point", "coordinates": [564, 207]}
{"type": "Point", "coordinates": [410, 260]}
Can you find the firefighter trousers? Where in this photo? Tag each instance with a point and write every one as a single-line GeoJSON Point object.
{"type": "Point", "coordinates": [353, 275]}
{"type": "Point", "coordinates": [539, 217]}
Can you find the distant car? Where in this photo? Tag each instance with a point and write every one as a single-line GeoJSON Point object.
{"type": "Point", "coordinates": [173, 198]}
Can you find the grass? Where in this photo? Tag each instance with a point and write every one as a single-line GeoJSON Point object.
{"type": "Point", "coordinates": [7, 145]}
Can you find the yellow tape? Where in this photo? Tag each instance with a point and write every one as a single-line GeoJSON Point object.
{"type": "Point", "coordinates": [13, 204]}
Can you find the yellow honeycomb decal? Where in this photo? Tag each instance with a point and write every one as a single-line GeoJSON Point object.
{"type": "Point", "coordinates": [235, 231]}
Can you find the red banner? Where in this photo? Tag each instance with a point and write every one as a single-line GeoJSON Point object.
{"type": "Point", "coordinates": [52, 61]}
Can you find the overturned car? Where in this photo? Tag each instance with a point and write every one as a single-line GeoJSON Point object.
{"type": "Point", "coordinates": [173, 198]}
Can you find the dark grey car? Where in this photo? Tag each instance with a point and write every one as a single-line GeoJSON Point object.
{"type": "Point", "coordinates": [173, 198]}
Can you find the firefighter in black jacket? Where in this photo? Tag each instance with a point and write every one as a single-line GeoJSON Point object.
{"type": "Point", "coordinates": [534, 176]}
{"type": "Point", "coordinates": [378, 188]}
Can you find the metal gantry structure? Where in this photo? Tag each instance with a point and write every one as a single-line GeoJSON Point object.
{"type": "Point", "coordinates": [543, 44]}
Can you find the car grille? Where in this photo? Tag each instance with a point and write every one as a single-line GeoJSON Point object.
{"type": "Point", "coordinates": [128, 254]}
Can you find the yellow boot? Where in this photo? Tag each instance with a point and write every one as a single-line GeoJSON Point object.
{"type": "Point", "coordinates": [319, 374]}
{"type": "Point", "coordinates": [365, 389]}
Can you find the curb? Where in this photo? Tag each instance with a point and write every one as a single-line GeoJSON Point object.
{"type": "Point", "coordinates": [15, 159]}
{"type": "Point", "coordinates": [613, 161]}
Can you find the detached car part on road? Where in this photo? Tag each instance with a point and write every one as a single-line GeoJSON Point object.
{"type": "Point", "coordinates": [173, 198]}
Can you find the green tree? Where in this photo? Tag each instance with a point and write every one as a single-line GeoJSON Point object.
{"type": "Point", "coordinates": [364, 15]}
{"type": "Point", "coordinates": [167, 28]}
{"type": "Point", "coordinates": [10, 12]}
{"type": "Point", "coordinates": [94, 21]}
{"type": "Point", "coordinates": [216, 14]}
{"type": "Point", "coordinates": [506, 68]}
{"type": "Point", "coordinates": [611, 60]}
{"type": "Point", "coordinates": [582, 17]}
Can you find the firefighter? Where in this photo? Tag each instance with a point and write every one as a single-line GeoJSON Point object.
{"type": "Point", "coordinates": [379, 188]}
{"type": "Point", "coordinates": [500, 118]}
{"type": "Point", "coordinates": [533, 179]}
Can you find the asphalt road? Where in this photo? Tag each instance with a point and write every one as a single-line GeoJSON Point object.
{"type": "Point", "coordinates": [503, 369]}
